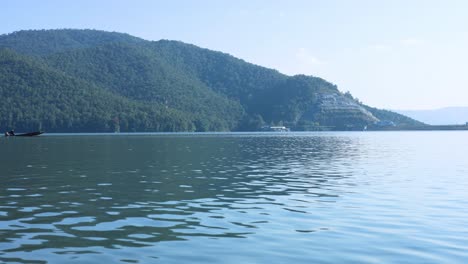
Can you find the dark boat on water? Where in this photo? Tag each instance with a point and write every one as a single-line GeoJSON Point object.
{"type": "Point", "coordinates": [30, 134]}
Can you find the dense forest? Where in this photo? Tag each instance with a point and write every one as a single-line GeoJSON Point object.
{"type": "Point", "coordinates": [97, 81]}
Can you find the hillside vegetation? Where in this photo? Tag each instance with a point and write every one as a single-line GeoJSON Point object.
{"type": "Point", "coordinates": [97, 81]}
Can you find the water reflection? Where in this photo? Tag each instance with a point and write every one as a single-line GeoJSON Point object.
{"type": "Point", "coordinates": [65, 198]}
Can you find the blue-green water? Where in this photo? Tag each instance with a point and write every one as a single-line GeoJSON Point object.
{"type": "Point", "coordinates": [388, 197]}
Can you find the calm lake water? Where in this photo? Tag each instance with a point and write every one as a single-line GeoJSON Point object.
{"type": "Point", "coordinates": [383, 197]}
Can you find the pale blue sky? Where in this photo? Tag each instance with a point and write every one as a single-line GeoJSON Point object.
{"type": "Point", "coordinates": [393, 54]}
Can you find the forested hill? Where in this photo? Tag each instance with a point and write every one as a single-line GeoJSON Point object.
{"type": "Point", "coordinates": [97, 81]}
{"type": "Point", "coordinates": [43, 42]}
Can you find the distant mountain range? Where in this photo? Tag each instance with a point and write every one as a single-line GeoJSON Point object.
{"type": "Point", "coordinates": [96, 81]}
{"type": "Point", "coordinates": [442, 116]}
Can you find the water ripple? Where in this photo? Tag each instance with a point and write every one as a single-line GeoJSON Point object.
{"type": "Point", "coordinates": [234, 198]}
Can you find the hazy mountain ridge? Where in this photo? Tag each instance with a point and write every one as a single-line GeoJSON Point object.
{"type": "Point", "coordinates": [162, 86]}
{"type": "Point", "coordinates": [441, 116]}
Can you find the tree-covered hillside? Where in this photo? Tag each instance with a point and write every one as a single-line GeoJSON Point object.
{"type": "Point", "coordinates": [137, 73]}
{"type": "Point", "coordinates": [87, 80]}
{"type": "Point", "coordinates": [35, 96]}
{"type": "Point", "coordinates": [43, 42]}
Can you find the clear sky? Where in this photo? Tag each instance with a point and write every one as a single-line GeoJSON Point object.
{"type": "Point", "coordinates": [394, 54]}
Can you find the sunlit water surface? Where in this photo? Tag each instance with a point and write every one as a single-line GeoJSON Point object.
{"type": "Point", "coordinates": [388, 197]}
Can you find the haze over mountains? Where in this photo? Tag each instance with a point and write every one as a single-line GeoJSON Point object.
{"type": "Point", "coordinates": [442, 116]}
{"type": "Point", "coordinates": [97, 81]}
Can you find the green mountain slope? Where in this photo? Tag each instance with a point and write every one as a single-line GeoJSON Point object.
{"type": "Point", "coordinates": [35, 97]}
{"type": "Point", "coordinates": [43, 42]}
{"type": "Point", "coordinates": [221, 72]}
{"type": "Point", "coordinates": [135, 72]}
{"type": "Point", "coordinates": [160, 86]}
